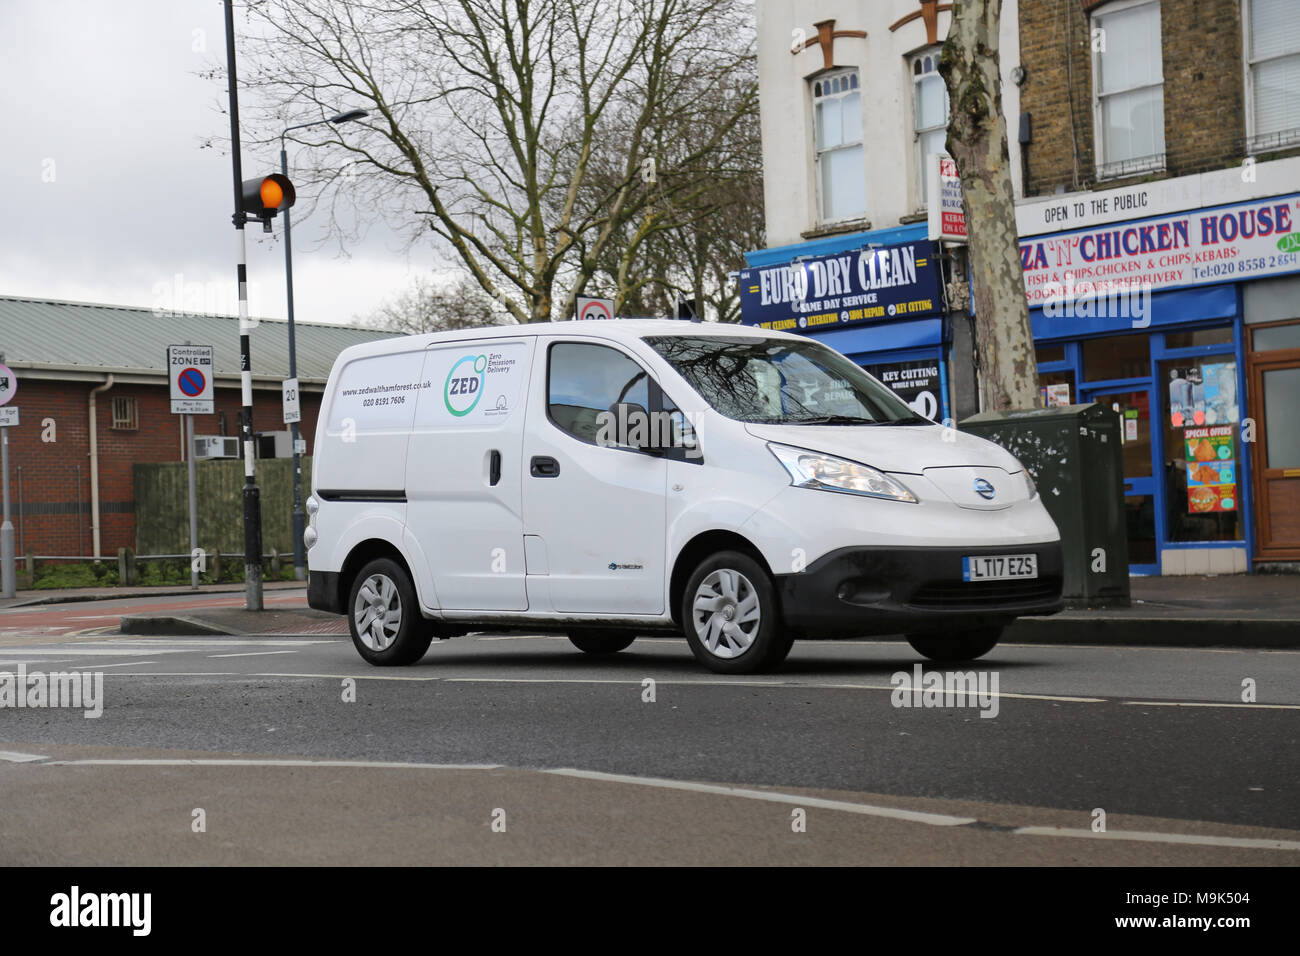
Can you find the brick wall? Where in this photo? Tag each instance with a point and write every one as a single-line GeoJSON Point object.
{"type": "Point", "coordinates": [1203, 90]}
{"type": "Point", "coordinates": [55, 472]}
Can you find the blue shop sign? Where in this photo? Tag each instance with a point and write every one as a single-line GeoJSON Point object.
{"type": "Point", "coordinates": [848, 288]}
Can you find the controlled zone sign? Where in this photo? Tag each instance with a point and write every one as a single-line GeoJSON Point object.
{"type": "Point", "coordinates": [189, 375]}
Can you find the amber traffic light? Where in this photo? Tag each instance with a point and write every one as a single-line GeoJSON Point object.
{"type": "Point", "coordinates": [266, 196]}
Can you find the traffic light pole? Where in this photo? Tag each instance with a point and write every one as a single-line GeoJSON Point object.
{"type": "Point", "coordinates": [252, 497]}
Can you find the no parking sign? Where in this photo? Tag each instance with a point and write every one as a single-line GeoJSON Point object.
{"type": "Point", "coordinates": [189, 374]}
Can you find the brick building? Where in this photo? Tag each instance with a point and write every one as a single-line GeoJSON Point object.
{"type": "Point", "coordinates": [77, 360]}
{"type": "Point", "coordinates": [1154, 148]}
{"type": "Point", "coordinates": [1162, 163]}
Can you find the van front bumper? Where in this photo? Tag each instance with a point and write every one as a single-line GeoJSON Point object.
{"type": "Point", "coordinates": [858, 592]}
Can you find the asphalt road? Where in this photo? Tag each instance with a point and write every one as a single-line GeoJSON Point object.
{"type": "Point", "coordinates": [507, 748]}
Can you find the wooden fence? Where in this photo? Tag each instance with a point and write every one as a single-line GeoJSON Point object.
{"type": "Point", "coordinates": [162, 523]}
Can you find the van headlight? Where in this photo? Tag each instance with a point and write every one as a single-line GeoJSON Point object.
{"type": "Point", "coordinates": [812, 469]}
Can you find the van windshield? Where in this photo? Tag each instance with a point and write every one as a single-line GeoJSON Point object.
{"type": "Point", "coordinates": [779, 381]}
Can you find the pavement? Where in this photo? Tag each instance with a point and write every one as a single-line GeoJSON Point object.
{"type": "Point", "coordinates": [36, 598]}
{"type": "Point", "coordinates": [1240, 610]}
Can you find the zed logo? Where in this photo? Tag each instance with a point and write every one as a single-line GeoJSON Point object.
{"type": "Point", "coordinates": [464, 386]}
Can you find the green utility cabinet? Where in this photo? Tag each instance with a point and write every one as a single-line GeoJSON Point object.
{"type": "Point", "coordinates": [1074, 453]}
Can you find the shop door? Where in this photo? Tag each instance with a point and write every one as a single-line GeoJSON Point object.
{"type": "Point", "coordinates": [1142, 494]}
{"type": "Point", "coordinates": [1275, 384]}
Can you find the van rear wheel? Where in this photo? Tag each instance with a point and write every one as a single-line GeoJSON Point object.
{"type": "Point", "coordinates": [964, 645]}
{"type": "Point", "coordinates": [601, 642]}
{"type": "Point", "coordinates": [384, 616]}
{"type": "Point", "coordinates": [730, 616]}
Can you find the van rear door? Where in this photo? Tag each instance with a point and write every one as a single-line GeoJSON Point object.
{"type": "Point", "coordinates": [464, 473]}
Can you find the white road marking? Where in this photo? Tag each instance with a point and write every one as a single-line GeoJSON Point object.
{"type": "Point", "coordinates": [705, 682]}
{"type": "Point", "coordinates": [202, 642]}
{"type": "Point", "coordinates": [234, 762]}
{"type": "Point", "coordinates": [253, 654]}
{"type": "Point", "coordinates": [771, 796]}
{"type": "Point", "coordinates": [12, 756]}
{"type": "Point", "coordinates": [1194, 839]}
{"type": "Point", "coordinates": [82, 667]}
{"type": "Point", "coordinates": [1202, 703]}
{"type": "Point", "coordinates": [81, 650]}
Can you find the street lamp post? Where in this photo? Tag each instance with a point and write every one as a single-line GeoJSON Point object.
{"type": "Point", "coordinates": [299, 518]}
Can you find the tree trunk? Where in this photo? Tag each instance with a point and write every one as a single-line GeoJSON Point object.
{"type": "Point", "coordinates": [977, 141]}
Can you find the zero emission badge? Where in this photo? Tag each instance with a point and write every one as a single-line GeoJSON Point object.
{"type": "Point", "coordinates": [464, 385]}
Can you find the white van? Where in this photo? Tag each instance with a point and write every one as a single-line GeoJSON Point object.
{"type": "Point", "coordinates": [611, 479]}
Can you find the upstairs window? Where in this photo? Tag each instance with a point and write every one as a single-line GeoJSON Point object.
{"type": "Point", "coordinates": [1128, 89]}
{"type": "Point", "coordinates": [837, 131]}
{"type": "Point", "coordinates": [1272, 54]}
{"type": "Point", "coordinates": [929, 115]}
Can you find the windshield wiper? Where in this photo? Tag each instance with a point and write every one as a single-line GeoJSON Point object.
{"type": "Point", "coordinates": [911, 420]}
{"type": "Point", "coordinates": [831, 420]}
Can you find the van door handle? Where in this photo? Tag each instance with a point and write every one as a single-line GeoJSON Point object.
{"type": "Point", "coordinates": [543, 466]}
{"type": "Point", "coordinates": [494, 467]}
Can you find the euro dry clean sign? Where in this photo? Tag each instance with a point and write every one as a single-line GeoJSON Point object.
{"type": "Point", "coordinates": [863, 285]}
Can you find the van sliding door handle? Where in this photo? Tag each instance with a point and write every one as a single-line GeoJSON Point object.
{"type": "Point", "coordinates": [494, 467]}
{"type": "Point", "coordinates": [543, 466]}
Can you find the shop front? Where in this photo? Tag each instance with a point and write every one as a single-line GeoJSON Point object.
{"type": "Point", "coordinates": [1151, 317]}
{"type": "Point", "coordinates": [873, 296]}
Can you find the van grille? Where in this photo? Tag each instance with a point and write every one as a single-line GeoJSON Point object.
{"type": "Point", "coordinates": [957, 594]}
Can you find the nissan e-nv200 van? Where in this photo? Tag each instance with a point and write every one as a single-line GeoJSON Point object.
{"type": "Point", "coordinates": [612, 479]}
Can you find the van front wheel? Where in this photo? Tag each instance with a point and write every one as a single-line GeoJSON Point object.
{"type": "Point", "coordinates": [730, 616]}
{"type": "Point", "coordinates": [957, 646]}
{"type": "Point", "coordinates": [384, 616]}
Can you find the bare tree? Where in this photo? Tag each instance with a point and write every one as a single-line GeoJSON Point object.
{"type": "Point", "coordinates": [430, 306]}
{"type": "Point", "coordinates": [488, 118]}
{"type": "Point", "coordinates": [977, 141]}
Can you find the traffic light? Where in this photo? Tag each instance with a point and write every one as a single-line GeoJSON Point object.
{"type": "Point", "coordinates": [266, 196]}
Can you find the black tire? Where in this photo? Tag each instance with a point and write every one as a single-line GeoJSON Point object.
{"type": "Point", "coordinates": [601, 642]}
{"type": "Point", "coordinates": [388, 587]}
{"type": "Point", "coordinates": [957, 646]}
{"type": "Point", "coordinates": [723, 643]}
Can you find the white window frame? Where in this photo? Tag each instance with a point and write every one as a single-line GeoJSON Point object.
{"type": "Point", "coordinates": [921, 168]}
{"type": "Point", "coordinates": [1255, 143]}
{"type": "Point", "coordinates": [1118, 169]}
{"type": "Point", "coordinates": [126, 413]}
{"type": "Point", "coordinates": [821, 218]}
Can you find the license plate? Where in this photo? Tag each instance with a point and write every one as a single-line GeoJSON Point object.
{"type": "Point", "coordinates": [999, 567]}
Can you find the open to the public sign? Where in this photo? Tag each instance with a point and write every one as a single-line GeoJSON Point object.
{"type": "Point", "coordinates": [189, 374]}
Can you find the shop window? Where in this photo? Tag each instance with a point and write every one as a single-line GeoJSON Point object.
{"type": "Point", "coordinates": [126, 413]}
{"type": "Point", "coordinates": [1128, 89]}
{"type": "Point", "coordinates": [1275, 337]}
{"type": "Point", "coordinates": [929, 115]}
{"type": "Point", "coordinates": [1272, 54]}
{"type": "Point", "coordinates": [1049, 353]}
{"type": "Point", "coordinates": [1222, 335]}
{"type": "Point", "coordinates": [837, 133]}
{"type": "Point", "coordinates": [1117, 357]}
{"type": "Point", "coordinates": [1202, 449]}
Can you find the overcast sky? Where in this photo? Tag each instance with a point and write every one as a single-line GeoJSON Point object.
{"type": "Point", "coordinates": [110, 197]}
